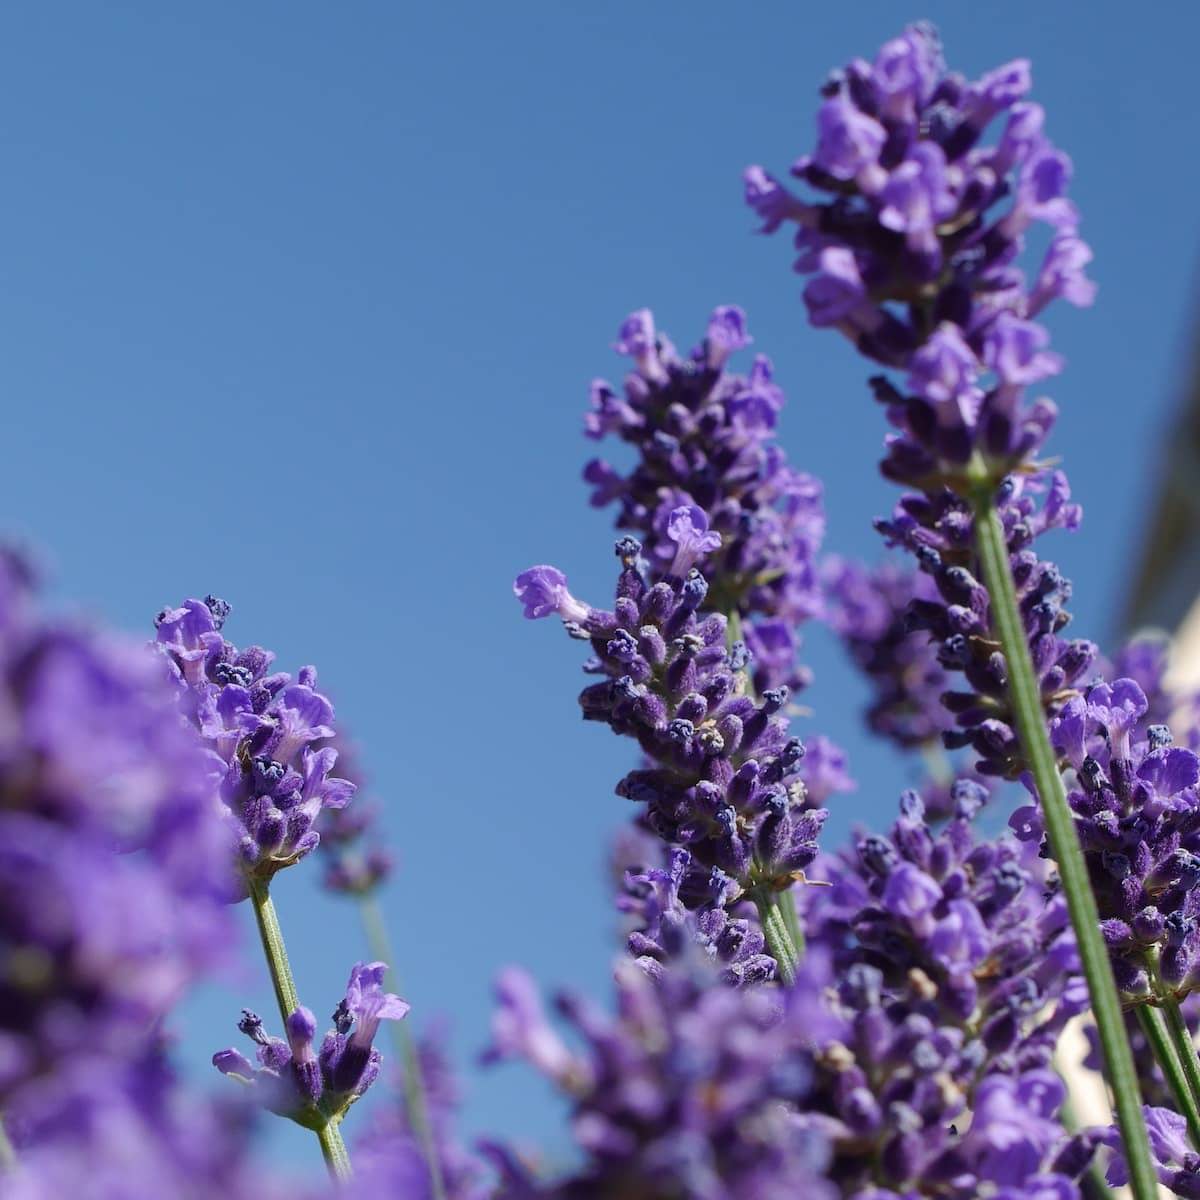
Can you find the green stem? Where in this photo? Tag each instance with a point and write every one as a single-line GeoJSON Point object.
{"type": "Point", "coordinates": [791, 919]}
{"type": "Point", "coordinates": [333, 1148]}
{"type": "Point", "coordinates": [1186, 1049]}
{"type": "Point", "coordinates": [415, 1098]}
{"type": "Point", "coordinates": [775, 929]}
{"type": "Point", "coordinates": [1169, 1063]}
{"type": "Point", "coordinates": [1025, 698]}
{"type": "Point", "coordinates": [8, 1153]}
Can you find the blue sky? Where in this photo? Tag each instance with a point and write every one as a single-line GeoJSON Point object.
{"type": "Point", "coordinates": [301, 303]}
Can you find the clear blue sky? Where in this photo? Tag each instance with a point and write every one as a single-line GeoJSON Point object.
{"type": "Point", "coordinates": [300, 304]}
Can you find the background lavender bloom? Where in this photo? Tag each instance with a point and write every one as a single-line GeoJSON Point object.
{"type": "Point", "coordinates": [355, 862]}
{"type": "Point", "coordinates": [389, 1158]}
{"type": "Point", "coordinates": [869, 609]}
{"type": "Point", "coordinates": [706, 436]}
{"type": "Point", "coordinates": [683, 1094]}
{"type": "Point", "coordinates": [314, 1087]}
{"type": "Point", "coordinates": [270, 734]}
{"type": "Point", "coordinates": [1175, 1157]}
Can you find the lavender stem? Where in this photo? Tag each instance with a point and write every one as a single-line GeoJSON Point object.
{"type": "Point", "coordinates": [1026, 702]}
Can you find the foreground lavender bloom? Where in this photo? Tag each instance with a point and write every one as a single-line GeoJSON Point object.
{"type": "Point", "coordinates": [683, 1095]}
{"type": "Point", "coordinates": [113, 865]}
{"type": "Point", "coordinates": [313, 1088]}
{"type": "Point", "coordinates": [723, 778]}
{"type": "Point", "coordinates": [390, 1159]}
{"type": "Point", "coordinates": [355, 864]}
{"type": "Point", "coordinates": [267, 730]}
{"type": "Point", "coordinates": [123, 1130]}
{"type": "Point", "coordinates": [914, 258]}
{"type": "Point", "coordinates": [869, 609]}
{"type": "Point", "coordinates": [705, 437]}
{"type": "Point", "coordinates": [1138, 817]}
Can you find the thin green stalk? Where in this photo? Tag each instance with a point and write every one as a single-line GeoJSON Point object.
{"type": "Point", "coordinates": [775, 929]}
{"type": "Point", "coordinates": [8, 1153]}
{"type": "Point", "coordinates": [415, 1098]}
{"type": "Point", "coordinates": [1026, 701]}
{"type": "Point", "coordinates": [1186, 1049]}
{"type": "Point", "coordinates": [1161, 1043]}
{"type": "Point", "coordinates": [333, 1148]}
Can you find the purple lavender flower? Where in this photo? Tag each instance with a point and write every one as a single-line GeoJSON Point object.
{"type": "Point", "coordinates": [914, 256]}
{"type": "Point", "coordinates": [723, 773]}
{"type": "Point", "coordinates": [684, 1094]}
{"type": "Point", "coordinates": [706, 450]}
{"type": "Point", "coordinates": [314, 1087]}
{"type": "Point", "coordinates": [113, 865]}
{"type": "Point", "coordinates": [953, 977]}
{"type": "Point", "coordinates": [268, 732]}
{"type": "Point", "coordinates": [390, 1158]}
{"type": "Point", "coordinates": [1137, 812]}
{"type": "Point", "coordinates": [1176, 1159]}
{"type": "Point", "coordinates": [869, 610]}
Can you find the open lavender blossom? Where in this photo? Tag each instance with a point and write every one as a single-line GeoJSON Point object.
{"type": "Point", "coordinates": [722, 777]}
{"type": "Point", "coordinates": [313, 1087]}
{"type": "Point", "coordinates": [705, 436]}
{"type": "Point", "coordinates": [268, 731]}
{"type": "Point", "coordinates": [915, 255]}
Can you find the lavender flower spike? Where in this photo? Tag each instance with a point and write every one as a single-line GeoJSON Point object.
{"type": "Point", "coordinates": [267, 733]}
{"type": "Point", "coordinates": [315, 1088]}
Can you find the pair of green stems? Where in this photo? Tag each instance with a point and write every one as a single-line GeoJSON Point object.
{"type": "Point", "coordinates": [333, 1146]}
{"type": "Point", "coordinates": [1172, 1044]}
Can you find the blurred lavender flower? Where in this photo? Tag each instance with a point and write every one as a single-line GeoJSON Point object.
{"type": "Point", "coordinates": [683, 1095]}
{"type": "Point", "coordinates": [313, 1088]}
{"type": "Point", "coordinates": [869, 609]}
{"type": "Point", "coordinates": [268, 731]}
{"type": "Point", "coordinates": [1175, 1157]}
{"type": "Point", "coordinates": [705, 436]}
{"type": "Point", "coordinates": [389, 1157]}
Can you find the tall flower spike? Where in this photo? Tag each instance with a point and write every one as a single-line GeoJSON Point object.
{"type": "Point", "coordinates": [705, 441]}
{"type": "Point", "coordinates": [723, 773]}
{"type": "Point", "coordinates": [356, 864]}
{"type": "Point", "coordinates": [269, 733]}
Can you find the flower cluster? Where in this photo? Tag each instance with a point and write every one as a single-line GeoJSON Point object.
{"type": "Point", "coordinates": [955, 976]}
{"type": "Point", "coordinates": [1138, 816]}
{"type": "Point", "coordinates": [265, 731]}
{"type": "Point", "coordinates": [705, 436]}
{"type": "Point", "coordinates": [869, 609]}
{"type": "Point", "coordinates": [316, 1087]}
{"type": "Point", "coordinates": [722, 778]}
{"type": "Point", "coordinates": [939, 531]}
{"type": "Point", "coordinates": [914, 256]}
{"type": "Point", "coordinates": [683, 1095]}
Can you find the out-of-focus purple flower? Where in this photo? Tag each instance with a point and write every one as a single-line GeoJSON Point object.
{"type": "Point", "coordinates": [869, 609]}
{"type": "Point", "coordinates": [114, 867]}
{"type": "Point", "coordinates": [355, 862]}
{"type": "Point", "coordinates": [705, 444]}
{"type": "Point", "coordinates": [684, 1094]}
{"type": "Point", "coordinates": [267, 733]}
{"type": "Point", "coordinates": [314, 1087]}
{"type": "Point", "coordinates": [1175, 1158]}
